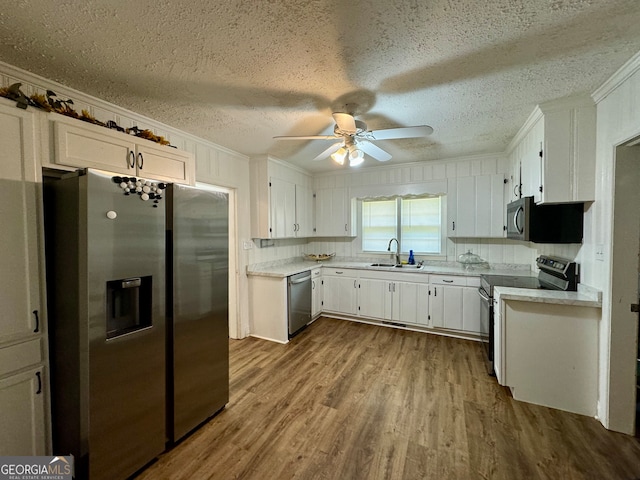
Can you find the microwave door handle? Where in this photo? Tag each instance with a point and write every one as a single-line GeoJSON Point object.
{"type": "Point", "coordinates": [515, 220]}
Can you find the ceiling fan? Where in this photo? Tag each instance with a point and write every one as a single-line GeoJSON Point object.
{"type": "Point", "coordinates": [354, 140]}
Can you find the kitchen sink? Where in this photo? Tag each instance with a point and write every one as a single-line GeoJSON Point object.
{"type": "Point", "coordinates": [391, 265]}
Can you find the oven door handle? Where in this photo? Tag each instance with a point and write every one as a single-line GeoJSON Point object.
{"type": "Point", "coordinates": [484, 296]}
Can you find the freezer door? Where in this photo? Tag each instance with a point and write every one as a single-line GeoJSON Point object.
{"type": "Point", "coordinates": [199, 319]}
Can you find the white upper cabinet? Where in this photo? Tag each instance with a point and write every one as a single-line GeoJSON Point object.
{"type": "Point", "coordinates": [281, 200]}
{"type": "Point", "coordinates": [335, 213]}
{"type": "Point", "coordinates": [22, 317]}
{"type": "Point", "coordinates": [83, 145]}
{"type": "Point", "coordinates": [553, 155]}
{"type": "Point", "coordinates": [20, 272]}
{"type": "Point", "coordinates": [475, 206]}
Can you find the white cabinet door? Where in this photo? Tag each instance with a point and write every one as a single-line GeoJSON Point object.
{"type": "Point", "coordinates": [333, 213]}
{"type": "Point", "coordinates": [160, 162]}
{"type": "Point", "coordinates": [557, 153]}
{"type": "Point", "coordinates": [465, 222]}
{"type": "Point", "coordinates": [470, 310]}
{"type": "Point", "coordinates": [22, 414]}
{"type": "Point", "coordinates": [405, 302]}
{"type": "Point", "coordinates": [445, 307]}
{"type": "Point", "coordinates": [422, 305]}
{"type": "Point", "coordinates": [304, 212]}
{"type": "Point", "coordinates": [373, 297]}
{"type": "Point", "coordinates": [90, 146]}
{"type": "Point", "coordinates": [282, 208]}
{"type": "Point", "coordinates": [476, 206]}
{"type": "Point", "coordinates": [317, 289]}
{"type": "Point", "coordinates": [340, 294]}
{"type": "Point", "coordinates": [531, 161]}
{"type": "Point", "coordinates": [19, 207]}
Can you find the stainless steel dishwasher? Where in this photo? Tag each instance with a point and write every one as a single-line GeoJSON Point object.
{"type": "Point", "coordinates": [299, 295]}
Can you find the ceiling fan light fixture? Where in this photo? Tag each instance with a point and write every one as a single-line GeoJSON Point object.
{"type": "Point", "coordinates": [356, 156]}
{"type": "Point", "coordinates": [339, 155]}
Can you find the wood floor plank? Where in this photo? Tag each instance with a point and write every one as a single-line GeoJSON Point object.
{"type": "Point", "coordinates": [346, 400]}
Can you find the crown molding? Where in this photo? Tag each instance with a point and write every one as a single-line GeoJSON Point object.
{"type": "Point", "coordinates": [36, 83]}
{"type": "Point", "coordinates": [617, 79]}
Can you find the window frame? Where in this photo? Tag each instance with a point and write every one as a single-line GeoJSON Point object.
{"type": "Point", "coordinates": [398, 199]}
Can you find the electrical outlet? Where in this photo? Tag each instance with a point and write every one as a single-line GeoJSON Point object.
{"type": "Point", "coordinates": [247, 245]}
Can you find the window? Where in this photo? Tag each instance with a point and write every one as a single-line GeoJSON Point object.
{"type": "Point", "coordinates": [415, 222]}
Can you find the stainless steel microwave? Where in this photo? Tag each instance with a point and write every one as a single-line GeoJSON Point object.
{"type": "Point", "coordinates": [560, 223]}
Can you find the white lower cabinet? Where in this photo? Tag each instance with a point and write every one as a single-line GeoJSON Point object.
{"type": "Point", "coordinates": [374, 298]}
{"type": "Point", "coordinates": [454, 303]}
{"type": "Point", "coordinates": [340, 291]}
{"type": "Point", "coordinates": [390, 297]}
{"type": "Point", "coordinates": [410, 303]}
{"type": "Point", "coordinates": [411, 299]}
{"type": "Point", "coordinates": [317, 289]}
{"type": "Point", "coordinates": [22, 417]}
{"type": "Point", "coordinates": [445, 307]}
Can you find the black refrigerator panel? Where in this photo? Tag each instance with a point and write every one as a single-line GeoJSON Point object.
{"type": "Point", "coordinates": [197, 307]}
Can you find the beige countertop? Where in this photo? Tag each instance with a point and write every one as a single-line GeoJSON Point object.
{"type": "Point", "coordinates": [585, 296]}
{"type": "Point", "coordinates": [291, 268]}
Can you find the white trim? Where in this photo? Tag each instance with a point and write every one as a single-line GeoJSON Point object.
{"type": "Point", "coordinates": [617, 79]}
{"type": "Point", "coordinates": [422, 163]}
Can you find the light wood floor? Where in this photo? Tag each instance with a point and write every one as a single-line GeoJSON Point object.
{"type": "Point", "coordinates": [345, 400]}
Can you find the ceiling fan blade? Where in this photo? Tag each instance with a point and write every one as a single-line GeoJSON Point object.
{"type": "Point", "coordinates": [402, 132]}
{"type": "Point", "coordinates": [332, 149]}
{"type": "Point", "coordinates": [346, 123]}
{"type": "Point", "coordinates": [308, 137]}
{"type": "Point", "coordinates": [373, 150]}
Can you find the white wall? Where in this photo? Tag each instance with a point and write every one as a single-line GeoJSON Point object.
{"type": "Point", "coordinates": [495, 251]}
{"type": "Point", "coordinates": [215, 165]}
{"type": "Point", "coordinates": [618, 107]}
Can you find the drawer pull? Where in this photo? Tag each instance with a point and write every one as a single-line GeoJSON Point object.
{"type": "Point", "coordinates": [447, 281]}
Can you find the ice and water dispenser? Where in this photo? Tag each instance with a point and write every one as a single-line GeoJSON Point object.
{"type": "Point", "coordinates": [129, 305]}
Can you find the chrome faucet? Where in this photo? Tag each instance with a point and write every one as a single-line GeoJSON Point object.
{"type": "Point", "coordinates": [397, 249]}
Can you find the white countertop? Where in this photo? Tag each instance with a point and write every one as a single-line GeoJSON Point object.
{"type": "Point", "coordinates": [585, 296]}
{"type": "Point", "coordinates": [286, 269]}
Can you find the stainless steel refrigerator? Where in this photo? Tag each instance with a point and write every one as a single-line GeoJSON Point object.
{"type": "Point", "coordinates": [197, 307]}
{"type": "Point", "coordinates": [105, 250]}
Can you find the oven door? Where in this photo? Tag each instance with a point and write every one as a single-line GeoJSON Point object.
{"type": "Point", "coordinates": [486, 328]}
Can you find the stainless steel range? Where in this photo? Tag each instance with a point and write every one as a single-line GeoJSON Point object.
{"type": "Point", "coordinates": [555, 274]}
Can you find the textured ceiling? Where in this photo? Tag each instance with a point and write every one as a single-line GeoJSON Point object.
{"type": "Point", "coordinates": [240, 72]}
